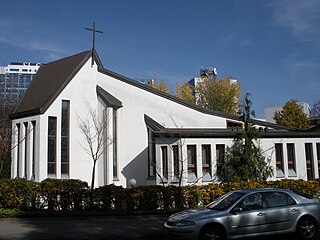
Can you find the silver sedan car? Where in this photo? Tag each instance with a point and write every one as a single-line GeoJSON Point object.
{"type": "Point", "coordinates": [248, 213]}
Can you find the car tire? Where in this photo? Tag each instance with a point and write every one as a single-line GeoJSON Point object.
{"type": "Point", "coordinates": [307, 228]}
{"type": "Point", "coordinates": [212, 232]}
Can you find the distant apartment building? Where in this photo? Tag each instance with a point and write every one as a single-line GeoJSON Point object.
{"type": "Point", "coordinates": [14, 80]}
{"type": "Point", "coordinates": [205, 72]}
{"type": "Point", "coordinates": [269, 111]}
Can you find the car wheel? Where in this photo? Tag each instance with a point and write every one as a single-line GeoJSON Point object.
{"type": "Point", "coordinates": [307, 228]}
{"type": "Point", "coordinates": [212, 232]}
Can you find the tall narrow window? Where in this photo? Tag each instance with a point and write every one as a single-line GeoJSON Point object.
{"type": "Point", "coordinates": [26, 140]}
{"type": "Point", "coordinates": [192, 161]}
{"type": "Point", "coordinates": [115, 144]}
{"type": "Point", "coordinates": [52, 144]}
{"type": "Point", "coordinates": [220, 152]}
{"type": "Point", "coordinates": [318, 158]}
{"type": "Point", "coordinates": [291, 159]}
{"type": "Point", "coordinates": [65, 126]}
{"type": "Point", "coordinates": [164, 152]}
{"type": "Point", "coordinates": [206, 162]}
{"type": "Point", "coordinates": [33, 149]}
{"type": "Point", "coordinates": [176, 157]}
{"type": "Point", "coordinates": [151, 153]}
{"type": "Point", "coordinates": [18, 149]}
{"type": "Point", "coordinates": [309, 161]}
{"type": "Point", "coordinates": [279, 160]}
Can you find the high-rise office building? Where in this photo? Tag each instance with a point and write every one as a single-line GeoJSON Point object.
{"type": "Point", "coordinates": [14, 80]}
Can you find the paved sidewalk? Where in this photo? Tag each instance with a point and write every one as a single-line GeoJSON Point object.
{"type": "Point", "coordinates": [110, 227]}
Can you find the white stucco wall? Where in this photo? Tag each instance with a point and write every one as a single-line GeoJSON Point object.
{"type": "Point", "coordinates": [132, 133]}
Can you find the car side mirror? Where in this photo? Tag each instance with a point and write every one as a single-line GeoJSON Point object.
{"type": "Point", "coordinates": [236, 210]}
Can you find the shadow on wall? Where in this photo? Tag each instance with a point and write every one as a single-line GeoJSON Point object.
{"type": "Point", "coordinates": [137, 168]}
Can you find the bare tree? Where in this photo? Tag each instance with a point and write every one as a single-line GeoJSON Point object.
{"type": "Point", "coordinates": [179, 169]}
{"type": "Point", "coordinates": [94, 129]}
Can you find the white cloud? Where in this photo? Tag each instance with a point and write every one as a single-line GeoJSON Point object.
{"type": "Point", "coordinates": [300, 17]}
{"type": "Point", "coordinates": [21, 36]}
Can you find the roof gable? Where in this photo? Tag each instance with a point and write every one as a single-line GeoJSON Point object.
{"type": "Point", "coordinates": [107, 98]}
{"type": "Point", "coordinates": [48, 83]}
{"type": "Point", "coordinates": [161, 131]}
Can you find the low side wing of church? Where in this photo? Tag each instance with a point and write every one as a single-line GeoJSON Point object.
{"type": "Point", "coordinates": [148, 135]}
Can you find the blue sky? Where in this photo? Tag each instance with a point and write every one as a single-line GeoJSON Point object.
{"type": "Point", "coordinates": [271, 47]}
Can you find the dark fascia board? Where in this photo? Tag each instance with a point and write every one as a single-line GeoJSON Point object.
{"type": "Point", "coordinates": [30, 113]}
{"type": "Point", "coordinates": [107, 98]}
{"type": "Point", "coordinates": [153, 125]}
{"type": "Point", "coordinates": [183, 102]}
{"type": "Point", "coordinates": [47, 102]}
{"type": "Point", "coordinates": [97, 59]}
{"type": "Point", "coordinates": [160, 131]}
{"type": "Point", "coordinates": [66, 82]}
{"type": "Point", "coordinates": [166, 95]}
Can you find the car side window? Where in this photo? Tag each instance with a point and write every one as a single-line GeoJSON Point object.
{"type": "Point", "coordinates": [278, 199]}
{"type": "Point", "coordinates": [251, 202]}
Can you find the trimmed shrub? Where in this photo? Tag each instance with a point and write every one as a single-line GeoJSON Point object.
{"type": "Point", "coordinates": [69, 196]}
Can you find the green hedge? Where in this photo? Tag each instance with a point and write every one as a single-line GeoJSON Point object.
{"type": "Point", "coordinates": [75, 195]}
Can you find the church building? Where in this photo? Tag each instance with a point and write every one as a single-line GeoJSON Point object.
{"type": "Point", "coordinates": [148, 135]}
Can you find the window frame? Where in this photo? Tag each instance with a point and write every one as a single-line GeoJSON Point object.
{"type": "Point", "coordinates": [164, 157]}
{"type": "Point", "coordinates": [176, 160]}
{"type": "Point", "coordinates": [192, 159]}
{"type": "Point", "coordinates": [279, 159]}
{"type": "Point", "coordinates": [220, 159]}
{"type": "Point", "coordinates": [115, 144]}
{"type": "Point", "coordinates": [65, 128]}
{"type": "Point", "coordinates": [291, 157]}
{"type": "Point", "coordinates": [52, 137]}
{"type": "Point", "coordinates": [206, 159]}
{"type": "Point", "coordinates": [309, 161]}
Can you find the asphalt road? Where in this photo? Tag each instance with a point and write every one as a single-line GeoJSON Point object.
{"type": "Point", "coordinates": [147, 227]}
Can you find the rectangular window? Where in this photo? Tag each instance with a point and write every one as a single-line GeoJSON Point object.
{"type": "Point", "coordinates": [151, 155]}
{"type": "Point", "coordinates": [309, 161]}
{"type": "Point", "coordinates": [176, 160]}
{"type": "Point", "coordinates": [220, 152]}
{"type": "Point", "coordinates": [65, 126]}
{"type": "Point", "coordinates": [33, 149]}
{"type": "Point", "coordinates": [26, 139]}
{"type": "Point", "coordinates": [192, 159]}
{"type": "Point", "coordinates": [164, 151]}
{"type": "Point", "coordinates": [279, 160]}
{"type": "Point", "coordinates": [318, 158]}
{"type": "Point", "coordinates": [18, 149]}
{"type": "Point", "coordinates": [115, 144]}
{"type": "Point", "coordinates": [206, 159]}
{"type": "Point", "coordinates": [52, 144]}
{"type": "Point", "coordinates": [291, 159]}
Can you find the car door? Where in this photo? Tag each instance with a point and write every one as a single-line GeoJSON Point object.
{"type": "Point", "coordinates": [248, 216]}
{"type": "Point", "coordinates": [281, 211]}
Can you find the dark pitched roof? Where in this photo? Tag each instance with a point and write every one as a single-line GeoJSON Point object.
{"type": "Point", "coordinates": [183, 102]}
{"type": "Point", "coordinates": [107, 98]}
{"type": "Point", "coordinates": [48, 83]}
{"type": "Point", "coordinates": [53, 77]}
{"type": "Point", "coordinates": [160, 131]}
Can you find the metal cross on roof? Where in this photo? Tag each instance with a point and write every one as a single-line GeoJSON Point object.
{"type": "Point", "coordinates": [94, 30]}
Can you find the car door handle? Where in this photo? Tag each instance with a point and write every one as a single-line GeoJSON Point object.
{"type": "Point", "coordinates": [294, 210]}
{"type": "Point", "coordinates": [260, 214]}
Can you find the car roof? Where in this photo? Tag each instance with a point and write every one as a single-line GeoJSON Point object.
{"type": "Point", "coordinates": [262, 190]}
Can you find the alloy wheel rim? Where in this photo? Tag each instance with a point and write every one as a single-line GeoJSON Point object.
{"type": "Point", "coordinates": [307, 229]}
{"type": "Point", "coordinates": [212, 235]}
